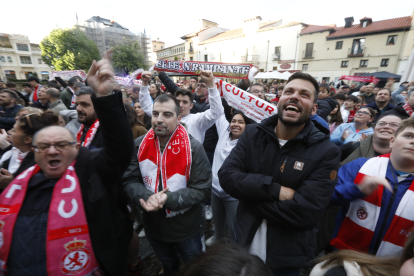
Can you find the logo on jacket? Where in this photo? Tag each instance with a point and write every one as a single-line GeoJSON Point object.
{"type": "Point", "coordinates": [362, 213]}
{"type": "Point", "coordinates": [298, 165]}
{"type": "Point", "coordinates": [76, 259]}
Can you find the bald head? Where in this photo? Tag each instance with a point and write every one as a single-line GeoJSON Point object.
{"type": "Point", "coordinates": [51, 130]}
{"type": "Point", "coordinates": [53, 93]}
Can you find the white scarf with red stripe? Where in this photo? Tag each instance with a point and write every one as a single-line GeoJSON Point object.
{"type": "Point", "coordinates": [358, 227]}
{"type": "Point", "coordinates": [173, 165]}
{"type": "Point", "coordinates": [68, 245]}
{"type": "Point", "coordinates": [89, 135]}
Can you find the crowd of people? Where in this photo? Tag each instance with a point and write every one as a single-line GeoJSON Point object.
{"type": "Point", "coordinates": [324, 186]}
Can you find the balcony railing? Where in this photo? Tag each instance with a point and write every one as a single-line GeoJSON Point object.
{"type": "Point", "coordinates": [191, 50]}
{"type": "Point", "coordinates": [356, 52]}
{"type": "Point", "coordinates": [308, 54]}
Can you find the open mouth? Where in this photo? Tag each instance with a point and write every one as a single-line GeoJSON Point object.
{"type": "Point", "coordinates": [54, 163]}
{"type": "Point", "coordinates": [292, 109]}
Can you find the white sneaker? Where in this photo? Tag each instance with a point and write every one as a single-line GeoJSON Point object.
{"type": "Point", "coordinates": [142, 233]}
{"type": "Point", "coordinates": [210, 241]}
{"type": "Point", "coordinates": [208, 212]}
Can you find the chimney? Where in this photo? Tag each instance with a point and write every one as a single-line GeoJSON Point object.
{"type": "Point", "coordinates": [349, 21]}
{"type": "Point", "coordinates": [158, 39]}
{"type": "Point", "coordinates": [251, 24]}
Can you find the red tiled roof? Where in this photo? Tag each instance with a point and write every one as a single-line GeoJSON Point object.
{"type": "Point", "coordinates": [224, 36]}
{"type": "Point", "coordinates": [268, 24]}
{"type": "Point", "coordinates": [316, 28]}
{"type": "Point", "coordinates": [377, 26]}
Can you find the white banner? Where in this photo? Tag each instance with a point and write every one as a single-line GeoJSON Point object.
{"type": "Point", "coordinates": [70, 73]}
{"type": "Point", "coordinates": [252, 106]}
{"type": "Point", "coordinates": [127, 81]}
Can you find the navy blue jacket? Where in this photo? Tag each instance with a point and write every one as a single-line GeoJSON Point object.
{"type": "Point", "coordinates": [374, 106]}
{"type": "Point", "coordinates": [7, 116]}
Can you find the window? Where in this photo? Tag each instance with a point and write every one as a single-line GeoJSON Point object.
{"type": "Point", "coordinates": [309, 50]}
{"type": "Point", "coordinates": [384, 62]}
{"type": "Point", "coordinates": [162, 47]}
{"type": "Point", "coordinates": [191, 58]}
{"type": "Point", "coordinates": [305, 67]}
{"type": "Point", "coordinates": [191, 47]}
{"type": "Point", "coordinates": [344, 64]}
{"type": "Point", "coordinates": [277, 51]}
{"type": "Point", "coordinates": [25, 60]}
{"type": "Point", "coordinates": [363, 63]}
{"type": "Point", "coordinates": [10, 74]}
{"type": "Point", "coordinates": [274, 68]}
{"type": "Point", "coordinates": [155, 47]}
{"type": "Point", "coordinates": [9, 59]}
{"type": "Point", "coordinates": [325, 80]}
{"type": "Point", "coordinates": [3, 59]}
{"type": "Point", "coordinates": [358, 47]}
{"type": "Point", "coordinates": [392, 39]}
{"type": "Point", "coordinates": [364, 24]}
{"type": "Point", "coordinates": [22, 47]}
{"type": "Point", "coordinates": [205, 57]}
{"type": "Point", "coordinates": [339, 45]}
{"type": "Point", "coordinates": [45, 75]}
{"type": "Point", "coordinates": [39, 60]}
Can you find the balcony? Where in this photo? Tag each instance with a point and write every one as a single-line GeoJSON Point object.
{"type": "Point", "coordinates": [276, 56]}
{"type": "Point", "coordinates": [308, 54]}
{"type": "Point", "coordinates": [356, 52]}
{"type": "Point", "coordinates": [191, 51]}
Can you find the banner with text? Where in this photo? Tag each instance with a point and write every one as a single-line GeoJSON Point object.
{"type": "Point", "coordinates": [127, 81]}
{"type": "Point", "coordinates": [252, 106]}
{"type": "Point", "coordinates": [220, 70]}
{"type": "Point", "coordinates": [360, 79]}
{"type": "Point", "coordinates": [68, 74]}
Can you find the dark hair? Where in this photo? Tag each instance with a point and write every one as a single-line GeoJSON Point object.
{"type": "Point", "coordinates": [158, 89]}
{"type": "Point", "coordinates": [372, 112]}
{"type": "Point", "coordinates": [194, 78]}
{"type": "Point", "coordinates": [72, 81]}
{"type": "Point", "coordinates": [281, 88]}
{"type": "Point", "coordinates": [389, 91]}
{"type": "Point", "coordinates": [202, 81]}
{"type": "Point", "coordinates": [185, 92]}
{"type": "Point", "coordinates": [11, 93]}
{"type": "Point", "coordinates": [26, 84]}
{"type": "Point", "coordinates": [386, 115]}
{"type": "Point", "coordinates": [86, 90]}
{"type": "Point", "coordinates": [33, 78]}
{"type": "Point", "coordinates": [324, 85]}
{"type": "Point", "coordinates": [32, 123]}
{"type": "Point", "coordinates": [79, 84]}
{"type": "Point", "coordinates": [10, 84]}
{"type": "Point", "coordinates": [132, 116]}
{"type": "Point", "coordinates": [226, 260]}
{"type": "Point", "coordinates": [247, 120]}
{"type": "Point", "coordinates": [339, 96]}
{"type": "Point", "coordinates": [337, 117]}
{"type": "Point", "coordinates": [135, 89]}
{"type": "Point", "coordinates": [53, 84]}
{"type": "Point", "coordinates": [167, 97]}
{"type": "Point", "coordinates": [307, 77]}
{"type": "Point", "coordinates": [352, 98]}
{"type": "Point", "coordinates": [257, 84]}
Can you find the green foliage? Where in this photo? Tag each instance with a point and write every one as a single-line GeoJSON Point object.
{"type": "Point", "coordinates": [175, 58]}
{"type": "Point", "coordinates": [129, 55]}
{"type": "Point", "coordinates": [69, 49]}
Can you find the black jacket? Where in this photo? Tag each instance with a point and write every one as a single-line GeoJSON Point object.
{"type": "Point", "coordinates": [399, 111]}
{"type": "Point", "coordinates": [374, 106]}
{"type": "Point", "coordinates": [7, 116]}
{"type": "Point", "coordinates": [99, 173]}
{"type": "Point", "coordinates": [168, 83]}
{"type": "Point", "coordinates": [40, 106]}
{"type": "Point", "coordinates": [325, 106]}
{"type": "Point", "coordinates": [254, 173]}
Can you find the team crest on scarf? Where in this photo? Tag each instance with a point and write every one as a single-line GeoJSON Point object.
{"type": "Point", "coordinates": [89, 135]}
{"type": "Point", "coordinates": [173, 165]}
{"type": "Point", "coordinates": [76, 258]}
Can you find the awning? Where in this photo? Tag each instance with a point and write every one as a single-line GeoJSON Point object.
{"type": "Point", "coordinates": [382, 75]}
{"type": "Point", "coordinates": [360, 78]}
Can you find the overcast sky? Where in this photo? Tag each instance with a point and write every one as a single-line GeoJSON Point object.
{"type": "Point", "coordinates": [169, 20]}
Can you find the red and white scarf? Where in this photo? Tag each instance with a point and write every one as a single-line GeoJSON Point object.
{"type": "Point", "coordinates": [89, 135]}
{"type": "Point", "coordinates": [68, 245]}
{"type": "Point", "coordinates": [408, 109]}
{"type": "Point", "coordinates": [351, 116]}
{"type": "Point", "coordinates": [35, 98]}
{"type": "Point", "coordinates": [173, 164]}
{"type": "Point", "coordinates": [358, 227]}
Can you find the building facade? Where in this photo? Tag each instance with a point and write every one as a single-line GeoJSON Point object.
{"type": "Point", "coordinates": [176, 52]}
{"type": "Point", "coordinates": [108, 33]}
{"type": "Point", "coordinates": [328, 52]}
{"type": "Point", "coordinates": [156, 45]}
{"type": "Point", "coordinates": [20, 59]}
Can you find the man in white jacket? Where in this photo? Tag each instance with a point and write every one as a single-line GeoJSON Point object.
{"type": "Point", "coordinates": [197, 124]}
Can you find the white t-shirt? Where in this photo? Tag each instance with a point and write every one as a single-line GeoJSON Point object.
{"type": "Point", "coordinates": [259, 243]}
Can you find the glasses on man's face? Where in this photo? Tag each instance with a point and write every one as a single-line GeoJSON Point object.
{"type": "Point", "coordinates": [42, 147]}
{"type": "Point", "coordinates": [363, 113]}
{"type": "Point", "coordinates": [383, 124]}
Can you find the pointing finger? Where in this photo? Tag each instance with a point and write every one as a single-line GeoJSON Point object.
{"type": "Point", "coordinates": [108, 54]}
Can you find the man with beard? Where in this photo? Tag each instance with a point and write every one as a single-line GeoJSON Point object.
{"type": "Point", "coordinates": [382, 103]}
{"type": "Point", "coordinates": [89, 134]}
{"type": "Point", "coordinates": [283, 171]}
{"type": "Point", "coordinates": [193, 84]}
{"type": "Point", "coordinates": [8, 109]}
